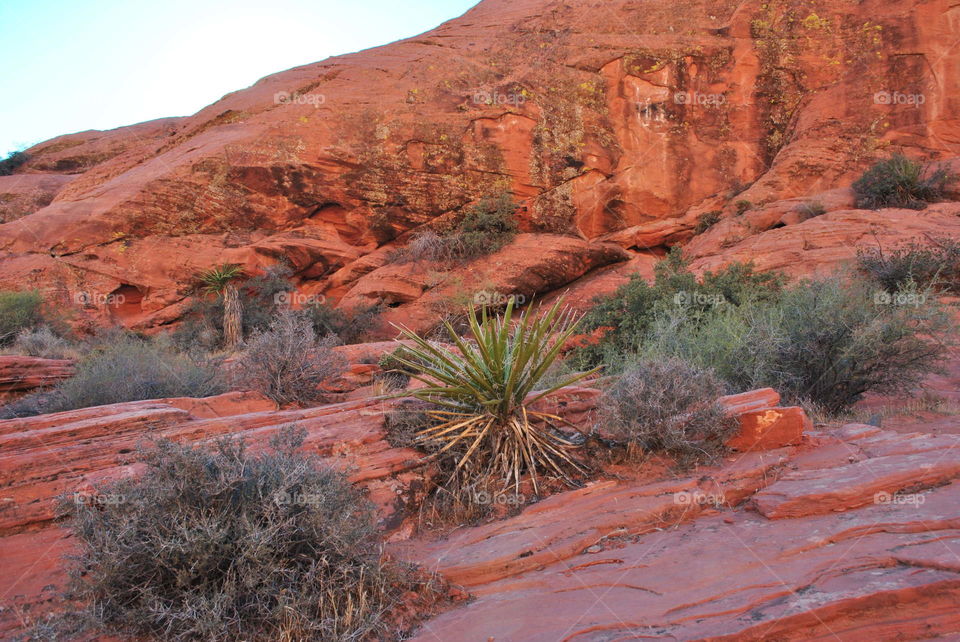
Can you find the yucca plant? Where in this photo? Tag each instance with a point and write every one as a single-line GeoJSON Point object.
{"type": "Point", "coordinates": [221, 280]}
{"type": "Point", "coordinates": [482, 392]}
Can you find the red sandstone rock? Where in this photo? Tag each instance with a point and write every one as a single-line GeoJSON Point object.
{"type": "Point", "coordinates": [770, 428]}
{"type": "Point", "coordinates": [597, 137]}
{"type": "Point", "coordinates": [885, 569]}
{"type": "Point", "coordinates": [20, 374]}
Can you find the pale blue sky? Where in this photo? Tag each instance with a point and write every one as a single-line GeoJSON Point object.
{"type": "Point", "coordinates": [72, 65]}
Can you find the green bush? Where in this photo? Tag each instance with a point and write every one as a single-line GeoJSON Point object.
{"type": "Point", "coordinates": [18, 311]}
{"type": "Point", "coordinates": [935, 264]}
{"type": "Point", "coordinates": [226, 545]}
{"type": "Point", "coordinates": [483, 229]}
{"type": "Point", "coordinates": [625, 317]}
{"type": "Point", "coordinates": [126, 368]}
{"type": "Point", "coordinates": [10, 164]}
{"type": "Point", "coordinates": [488, 226]}
{"type": "Point", "coordinates": [706, 220]}
{"type": "Point", "coordinates": [828, 341]}
{"type": "Point", "coordinates": [393, 373]}
{"type": "Point", "coordinates": [667, 406]}
{"type": "Point", "coordinates": [901, 182]}
{"type": "Point", "coordinates": [349, 326]}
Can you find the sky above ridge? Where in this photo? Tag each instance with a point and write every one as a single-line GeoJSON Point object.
{"type": "Point", "coordinates": [70, 66]}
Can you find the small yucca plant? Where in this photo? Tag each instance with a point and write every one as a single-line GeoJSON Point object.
{"type": "Point", "coordinates": [483, 391]}
{"type": "Point", "coordinates": [221, 280]}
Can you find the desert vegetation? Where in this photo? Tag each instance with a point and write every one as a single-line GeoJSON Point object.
{"type": "Point", "coordinates": [707, 220]}
{"type": "Point", "coordinates": [262, 297]}
{"type": "Point", "coordinates": [14, 160]}
{"type": "Point", "coordinates": [667, 406]}
{"type": "Point", "coordinates": [224, 544]}
{"type": "Point", "coordinates": [482, 229]}
{"type": "Point", "coordinates": [287, 362]}
{"type": "Point", "coordinates": [932, 264]}
{"type": "Point", "coordinates": [827, 341]}
{"type": "Point", "coordinates": [901, 182]}
{"type": "Point", "coordinates": [222, 282]}
{"type": "Point", "coordinates": [116, 367]}
{"type": "Point", "coordinates": [811, 209]}
{"type": "Point", "coordinates": [480, 396]}
{"type": "Point", "coordinates": [19, 311]}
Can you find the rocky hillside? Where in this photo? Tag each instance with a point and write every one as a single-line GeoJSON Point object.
{"type": "Point", "coordinates": [617, 124]}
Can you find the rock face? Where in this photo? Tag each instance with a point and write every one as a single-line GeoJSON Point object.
{"type": "Point", "coordinates": [613, 122]}
{"type": "Point", "coordinates": [855, 535]}
{"type": "Point", "coordinates": [20, 374]}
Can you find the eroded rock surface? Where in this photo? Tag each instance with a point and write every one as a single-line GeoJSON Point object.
{"type": "Point", "coordinates": [855, 535]}
{"type": "Point", "coordinates": [608, 122]}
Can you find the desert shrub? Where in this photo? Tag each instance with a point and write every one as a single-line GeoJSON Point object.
{"type": "Point", "coordinates": [481, 417]}
{"type": "Point", "coordinates": [127, 368]}
{"type": "Point", "coordinates": [826, 341]}
{"type": "Point", "coordinates": [811, 209]}
{"type": "Point", "coordinates": [742, 206]}
{"type": "Point", "coordinates": [227, 545]}
{"type": "Point", "coordinates": [393, 373]}
{"type": "Point", "coordinates": [623, 319]}
{"type": "Point", "coordinates": [483, 229]}
{"type": "Point", "coordinates": [18, 311]}
{"type": "Point", "coordinates": [900, 182]}
{"type": "Point", "coordinates": [201, 327]}
{"type": "Point", "coordinates": [287, 363]}
{"type": "Point", "coordinates": [667, 406]}
{"type": "Point", "coordinates": [706, 220]}
{"type": "Point", "coordinates": [935, 263]}
{"type": "Point", "coordinates": [349, 326]}
{"type": "Point", "coordinates": [405, 422]}
{"type": "Point", "coordinates": [43, 342]}
{"type": "Point", "coordinates": [14, 160]}
{"type": "Point", "coordinates": [260, 297]}
{"type": "Point", "coordinates": [487, 226]}
{"type": "Point", "coordinates": [429, 246]}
